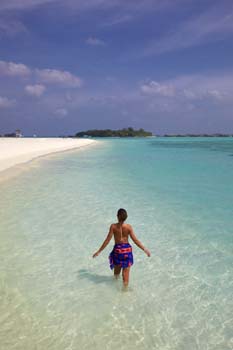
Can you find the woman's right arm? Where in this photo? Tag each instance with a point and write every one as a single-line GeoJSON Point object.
{"type": "Point", "coordinates": [137, 242]}
{"type": "Point", "coordinates": [105, 243]}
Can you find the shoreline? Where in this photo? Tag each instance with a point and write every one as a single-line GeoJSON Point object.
{"type": "Point", "coordinates": [16, 152]}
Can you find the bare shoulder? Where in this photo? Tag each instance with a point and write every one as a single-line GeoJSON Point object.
{"type": "Point", "coordinates": [129, 227]}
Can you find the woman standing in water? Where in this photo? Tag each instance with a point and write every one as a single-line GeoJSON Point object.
{"type": "Point", "coordinates": [121, 256]}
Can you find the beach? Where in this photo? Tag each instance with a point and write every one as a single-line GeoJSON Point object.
{"type": "Point", "coordinates": [14, 151]}
{"type": "Point", "coordinates": [54, 216]}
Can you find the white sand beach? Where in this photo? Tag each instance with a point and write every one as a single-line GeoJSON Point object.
{"type": "Point", "coordinates": [15, 151]}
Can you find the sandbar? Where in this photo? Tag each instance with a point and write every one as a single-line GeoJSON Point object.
{"type": "Point", "coordinates": [17, 150]}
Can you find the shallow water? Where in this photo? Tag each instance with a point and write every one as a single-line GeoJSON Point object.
{"type": "Point", "coordinates": [178, 193]}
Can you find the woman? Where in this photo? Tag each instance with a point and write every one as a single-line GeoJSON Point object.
{"type": "Point", "coordinates": [121, 256]}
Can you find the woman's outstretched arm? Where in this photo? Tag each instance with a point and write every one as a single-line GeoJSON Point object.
{"type": "Point", "coordinates": [105, 242]}
{"type": "Point", "coordinates": [137, 242]}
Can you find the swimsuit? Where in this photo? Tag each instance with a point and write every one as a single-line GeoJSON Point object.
{"type": "Point", "coordinates": [121, 255]}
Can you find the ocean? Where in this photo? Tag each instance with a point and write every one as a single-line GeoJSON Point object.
{"type": "Point", "coordinates": [56, 213]}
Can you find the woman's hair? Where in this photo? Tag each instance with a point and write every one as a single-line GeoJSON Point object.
{"type": "Point", "coordinates": [122, 214]}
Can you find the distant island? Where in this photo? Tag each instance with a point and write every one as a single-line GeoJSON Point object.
{"type": "Point", "coordinates": [129, 132]}
{"type": "Point", "coordinates": [126, 132]}
{"type": "Point", "coordinates": [17, 133]}
{"type": "Point", "coordinates": [198, 135]}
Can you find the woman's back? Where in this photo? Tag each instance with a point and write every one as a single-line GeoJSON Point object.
{"type": "Point", "coordinates": [121, 233]}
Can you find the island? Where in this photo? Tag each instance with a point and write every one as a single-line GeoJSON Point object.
{"type": "Point", "coordinates": [198, 135]}
{"type": "Point", "coordinates": [128, 132]}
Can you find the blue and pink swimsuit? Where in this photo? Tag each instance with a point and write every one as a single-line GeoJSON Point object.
{"type": "Point", "coordinates": [121, 255]}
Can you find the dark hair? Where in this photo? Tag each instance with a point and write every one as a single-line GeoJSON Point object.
{"type": "Point", "coordinates": [122, 214]}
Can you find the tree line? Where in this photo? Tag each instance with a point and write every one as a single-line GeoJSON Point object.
{"type": "Point", "coordinates": [126, 132]}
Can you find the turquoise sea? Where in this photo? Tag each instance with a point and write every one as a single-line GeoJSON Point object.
{"type": "Point", "coordinates": [56, 213]}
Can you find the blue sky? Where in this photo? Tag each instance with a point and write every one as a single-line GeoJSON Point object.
{"type": "Point", "coordinates": [164, 65]}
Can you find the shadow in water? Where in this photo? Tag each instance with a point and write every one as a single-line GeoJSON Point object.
{"type": "Point", "coordinates": [93, 277]}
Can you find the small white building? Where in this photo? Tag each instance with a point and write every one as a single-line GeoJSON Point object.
{"type": "Point", "coordinates": [18, 133]}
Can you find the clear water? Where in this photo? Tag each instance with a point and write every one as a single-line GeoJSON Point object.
{"type": "Point", "coordinates": [55, 215]}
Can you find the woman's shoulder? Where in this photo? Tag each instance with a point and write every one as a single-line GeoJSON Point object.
{"type": "Point", "coordinates": [128, 226]}
{"type": "Point", "coordinates": [116, 225]}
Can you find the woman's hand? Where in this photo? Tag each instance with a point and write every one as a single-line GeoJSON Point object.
{"type": "Point", "coordinates": [95, 255]}
{"type": "Point", "coordinates": [147, 252]}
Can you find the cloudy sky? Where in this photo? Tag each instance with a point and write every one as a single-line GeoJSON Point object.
{"type": "Point", "coordinates": [71, 65]}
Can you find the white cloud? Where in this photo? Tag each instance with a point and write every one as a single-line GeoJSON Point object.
{"type": "Point", "coordinates": [216, 94]}
{"type": "Point", "coordinates": [35, 90]}
{"type": "Point", "coordinates": [115, 11]}
{"type": "Point", "coordinates": [187, 92]}
{"type": "Point", "coordinates": [50, 76]}
{"type": "Point", "coordinates": [155, 88]}
{"type": "Point", "coordinates": [80, 4]}
{"type": "Point", "coordinates": [124, 18]}
{"type": "Point", "coordinates": [11, 27]}
{"type": "Point", "coordinates": [6, 102]}
{"type": "Point", "coordinates": [72, 4]}
{"type": "Point", "coordinates": [61, 112]}
{"type": "Point", "coordinates": [14, 69]}
{"type": "Point", "coordinates": [203, 86]}
{"type": "Point", "coordinates": [22, 4]}
{"type": "Point", "coordinates": [95, 42]}
{"type": "Point", "coordinates": [54, 76]}
{"type": "Point", "coordinates": [212, 25]}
